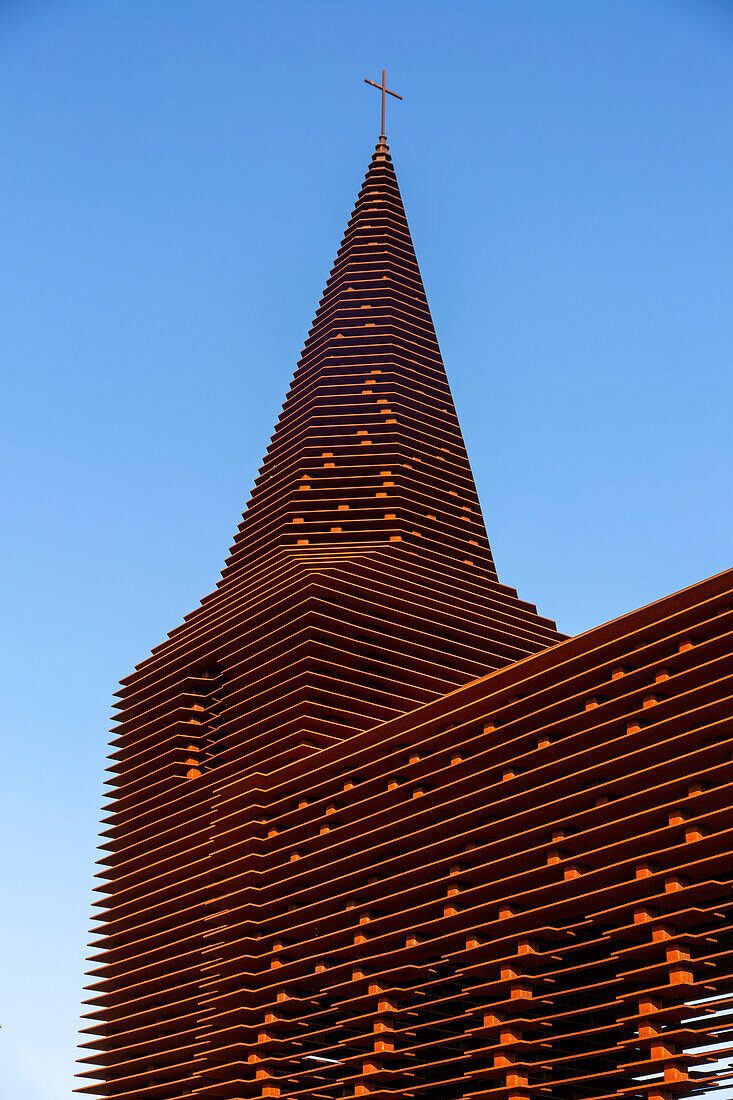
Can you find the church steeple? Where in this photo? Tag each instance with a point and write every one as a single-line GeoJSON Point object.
{"type": "Point", "coordinates": [368, 448]}
{"type": "Point", "coordinates": [313, 885]}
{"type": "Point", "coordinates": [359, 587]}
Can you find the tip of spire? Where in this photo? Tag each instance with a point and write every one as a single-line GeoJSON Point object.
{"type": "Point", "coordinates": [382, 150]}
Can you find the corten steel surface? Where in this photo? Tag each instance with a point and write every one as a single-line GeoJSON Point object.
{"type": "Point", "coordinates": [339, 863]}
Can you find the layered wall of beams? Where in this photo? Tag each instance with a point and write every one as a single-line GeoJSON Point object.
{"type": "Point", "coordinates": [375, 827]}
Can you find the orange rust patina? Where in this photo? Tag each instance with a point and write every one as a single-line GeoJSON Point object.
{"type": "Point", "coordinates": [375, 827]}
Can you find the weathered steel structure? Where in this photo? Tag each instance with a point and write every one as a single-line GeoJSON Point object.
{"type": "Point", "coordinates": [375, 828]}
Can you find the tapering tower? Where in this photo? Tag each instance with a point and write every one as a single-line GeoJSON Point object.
{"type": "Point", "coordinates": [360, 585]}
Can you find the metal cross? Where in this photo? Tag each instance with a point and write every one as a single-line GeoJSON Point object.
{"type": "Point", "coordinates": [385, 92]}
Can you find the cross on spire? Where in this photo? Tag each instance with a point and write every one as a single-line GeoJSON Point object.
{"type": "Point", "coordinates": [385, 92]}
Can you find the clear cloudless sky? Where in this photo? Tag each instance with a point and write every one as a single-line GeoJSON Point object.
{"type": "Point", "coordinates": [175, 178]}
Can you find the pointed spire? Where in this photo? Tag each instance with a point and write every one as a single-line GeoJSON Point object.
{"type": "Point", "coordinates": [382, 150]}
{"type": "Point", "coordinates": [368, 449]}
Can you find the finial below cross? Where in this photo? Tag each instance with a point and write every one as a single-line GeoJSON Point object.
{"type": "Point", "coordinates": [385, 92]}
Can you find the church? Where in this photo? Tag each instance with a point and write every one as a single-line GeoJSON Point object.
{"type": "Point", "coordinates": [375, 827]}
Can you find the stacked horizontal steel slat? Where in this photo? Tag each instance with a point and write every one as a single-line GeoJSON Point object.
{"type": "Point", "coordinates": [339, 864]}
{"type": "Point", "coordinates": [521, 889]}
{"type": "Point", "coordinates": [360, 586]}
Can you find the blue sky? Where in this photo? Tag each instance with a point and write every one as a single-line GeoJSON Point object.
{"type": "Point", "coordinates": [174, 182]}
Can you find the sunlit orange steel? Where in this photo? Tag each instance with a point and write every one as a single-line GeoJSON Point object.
{"type": "Point", "coordinates": [375, 828]}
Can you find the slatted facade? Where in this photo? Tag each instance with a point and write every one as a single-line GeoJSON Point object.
{"type": "Point", "coordinates": [375, 827]}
